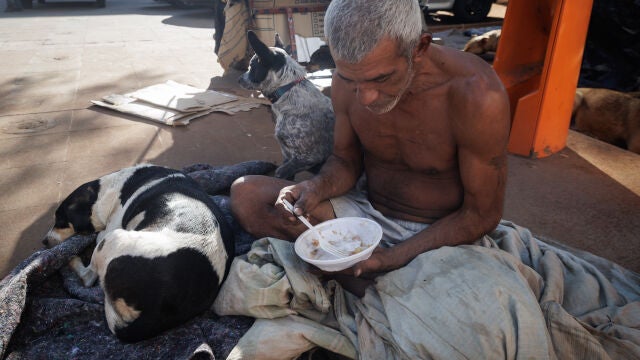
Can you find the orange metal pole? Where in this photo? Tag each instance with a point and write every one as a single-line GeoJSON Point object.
{"type": "Point", "coordinates": [539, 61]}
{"type": "Point", "coordinates": [562, 76]}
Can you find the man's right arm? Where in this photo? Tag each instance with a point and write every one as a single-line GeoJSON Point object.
{"type": "Point", "coordinates": [343, 168]}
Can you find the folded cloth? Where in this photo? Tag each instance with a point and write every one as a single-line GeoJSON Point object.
{"type": "Point", "coordinates": [271, 282]}
{"type": "Point", "coordinates": [510, 295]}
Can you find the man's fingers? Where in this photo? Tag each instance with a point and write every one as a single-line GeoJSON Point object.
{"type": "Point", "coordinates": [299, 204]}
{"type": "Point", "coordinates": [370, 267]}
{"type": "Point", "coordinates": [295, 197]}
{"type": "Point", "coordinates": [291, 193]}
{"type": "Point", "coordinates": [357, 271]}
{"type": "Point", "coordinates": [284, 212]}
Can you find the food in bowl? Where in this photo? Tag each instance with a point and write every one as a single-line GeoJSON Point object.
{"type": "Point", "coordinates": [349, 243]}
{"type": "Point", "coordinates": [357, 236]}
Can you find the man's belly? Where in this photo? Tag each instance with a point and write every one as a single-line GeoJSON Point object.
{"type": "Point", "coordinates": [414, 196]}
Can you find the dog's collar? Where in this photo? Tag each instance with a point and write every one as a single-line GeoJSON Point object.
{"type": "Point", "coordinates": [277, 94]}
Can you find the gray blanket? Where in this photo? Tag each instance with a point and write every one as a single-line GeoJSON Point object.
{"type": "Point", "coordinates": [508, 296]}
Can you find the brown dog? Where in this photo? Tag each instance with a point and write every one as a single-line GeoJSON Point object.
{"type": "Point", "coordinates": [608, 115]}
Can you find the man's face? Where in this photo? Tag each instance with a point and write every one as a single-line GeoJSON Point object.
{"type": "Point", "coordinates": [380, 79]}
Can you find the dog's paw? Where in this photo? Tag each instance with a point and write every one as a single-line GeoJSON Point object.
{"type": "Point", "coordinates": [86, 274]}
{"type": "Point", "coordinates": [89, 279]}
{"type": "Point", "coordinates": [291, 167]}
{"type": "Point", "coordinates": [284, 174]}
{"type": "Point", "coordinates": [74, 286]}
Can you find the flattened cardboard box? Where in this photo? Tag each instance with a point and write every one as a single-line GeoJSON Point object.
{"type": "Point", "coordinates": [173, 103]}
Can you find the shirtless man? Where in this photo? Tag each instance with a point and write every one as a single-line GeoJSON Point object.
{"type": "Point", "coordinates": [420, 141]}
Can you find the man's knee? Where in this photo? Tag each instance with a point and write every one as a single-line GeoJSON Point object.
{"type": "Point", "coordinates": [243, 194]}
{"type": "Point", "coordinates": [240, 186]}
{"type": "Point", "coordinates": [251, 197]}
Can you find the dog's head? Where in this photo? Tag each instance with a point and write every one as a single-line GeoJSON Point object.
{"type": "Point", "coordinates": [321, 59]}
{"type": "Point", "coordinates": [270, 67]}
{"type": "Point", "coordinates": [73, 216]}
{"type": "Point", "coordinates": [483, 43]}
{"type": "Point", "coordinates": [477, 45]}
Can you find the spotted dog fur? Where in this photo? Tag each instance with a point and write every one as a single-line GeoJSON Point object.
{"type": "Point", "coordinates": [303, 115]}
{"type": "Point", "coordinates": [163, 248]}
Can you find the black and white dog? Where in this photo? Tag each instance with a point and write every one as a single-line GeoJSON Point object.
{"type": "Point", "coordinates": [163, 247]}
{"type": "Point", "coordinates": [303, 115]}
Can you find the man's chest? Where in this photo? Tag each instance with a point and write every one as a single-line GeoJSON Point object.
{"type": "Point", "coordinates": [419, 142]}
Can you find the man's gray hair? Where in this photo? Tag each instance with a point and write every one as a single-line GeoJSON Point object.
{"type": "Point", "coordinates": [354, 27]}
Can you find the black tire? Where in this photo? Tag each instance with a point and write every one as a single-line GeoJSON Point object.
{"type": "Point", "coordinates": [41, 1]}
{"type": "Point", "coordinates": [471, 10]}
{"type": "Point", "coordinates": [27, 4]}
{"type": "Point", "coordinates": [101, 3]}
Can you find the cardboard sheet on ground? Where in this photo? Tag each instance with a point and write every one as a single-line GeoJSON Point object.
{"type": "Point", "coordinates": [173, 103]}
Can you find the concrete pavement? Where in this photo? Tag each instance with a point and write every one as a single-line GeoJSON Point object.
{"type": "Point", "coordinates": [58, 56]}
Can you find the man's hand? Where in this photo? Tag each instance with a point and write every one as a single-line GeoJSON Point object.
{"type": "Point", "coordinates": [303, 196]}
{"type": "Point", "coordinates": [377, 264]}
{"type": "Point", "coordinates": [374, 266]}
{"type": "Point", "coordinates": [358, 277]}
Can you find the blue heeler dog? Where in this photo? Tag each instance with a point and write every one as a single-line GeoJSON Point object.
{"type": "Point", "coordinates": [303, 115]}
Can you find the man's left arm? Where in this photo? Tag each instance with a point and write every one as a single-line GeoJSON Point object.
{"type": "Point", "coordinates": [481, 134]}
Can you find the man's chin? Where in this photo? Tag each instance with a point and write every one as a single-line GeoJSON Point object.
{"type": "Point", "coordinates": [380, 109]}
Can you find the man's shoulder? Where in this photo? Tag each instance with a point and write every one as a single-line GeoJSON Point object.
{"type": "Point", "coordinates": [476, 74]}
{"type": "Point", "coordinates": [479, 108]}
{"type": "Point", "coordinates": [477, 87]}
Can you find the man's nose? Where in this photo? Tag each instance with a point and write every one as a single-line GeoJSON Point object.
{"type": "Point", "coordinates": [366, 96]}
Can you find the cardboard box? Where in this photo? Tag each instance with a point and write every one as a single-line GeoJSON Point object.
{"type": "Point", "coordinates": [306, 25]}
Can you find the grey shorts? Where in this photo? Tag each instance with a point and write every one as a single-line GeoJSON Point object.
{"type": "Point", "coordinates": [355, 203]}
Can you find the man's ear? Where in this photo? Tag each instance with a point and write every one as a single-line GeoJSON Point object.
{"type": "Point", "coordinates": [259, 47]}
{"type": "Point", "coordinates": [423, 45]}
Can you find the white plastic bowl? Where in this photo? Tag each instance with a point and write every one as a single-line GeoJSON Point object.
{"type": "Point", "coordinates": [348, 233]}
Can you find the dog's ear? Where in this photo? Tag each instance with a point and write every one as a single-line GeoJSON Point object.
{"type": "Point", "coordinates": [278, 42]}
{"type": "Point", "coordinates": [259, 47]}
{"type": "Point", "coordinates": [76, 209]}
